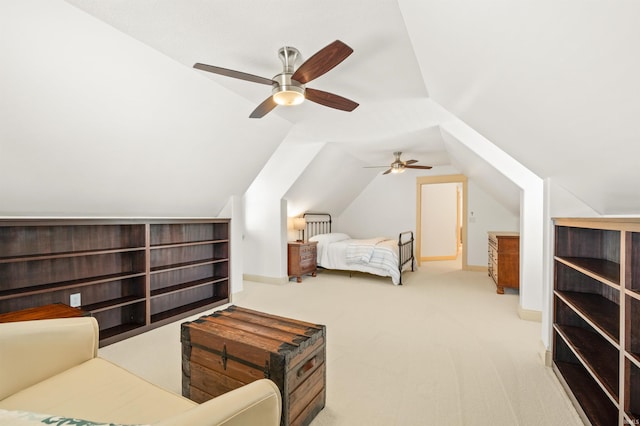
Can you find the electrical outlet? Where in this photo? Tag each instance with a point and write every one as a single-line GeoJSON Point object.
{"type": "Point", "coordinates": [74, 300]}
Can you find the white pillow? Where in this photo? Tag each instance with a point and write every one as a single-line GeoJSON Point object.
{"type": "Point", "coordinates": [329, 238]}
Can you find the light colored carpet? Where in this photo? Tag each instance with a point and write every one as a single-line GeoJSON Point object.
{"type": "Point", "coordinates": [444, 349]}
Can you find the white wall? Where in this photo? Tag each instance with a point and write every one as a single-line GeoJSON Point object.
{"type": "Point", "coordinates": [234, 210]}
{"type": "Point", "coordinates": [485, 214]}
{"type": "Point", "coordinates": [458, 135]}
{"type": "Point", "coordinates": [265, 212]}
{"type": "Point", "coordinates": [329, 182]}
{"type": "Point", "coordinates": [386, 207]}
{"type": "Point", "coordinates": [264, 237]}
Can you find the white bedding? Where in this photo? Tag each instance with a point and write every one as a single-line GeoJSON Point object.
{"type": "Point", "coordinates": [377, 256]}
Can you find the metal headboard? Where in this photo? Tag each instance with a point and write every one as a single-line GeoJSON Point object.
{"type": "Point", "coordinates": [317, 223]}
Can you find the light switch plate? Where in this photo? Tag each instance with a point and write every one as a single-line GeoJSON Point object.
{"type": "Point", "coordinates": [74, 300]}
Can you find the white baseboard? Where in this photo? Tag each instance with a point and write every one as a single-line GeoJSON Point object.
{"type": "Point", "coordinates": [266, 280]}
{"type": "Point", "coordinates": [545, 355]}
{"type": "Point", "coordinates": [529, 314]}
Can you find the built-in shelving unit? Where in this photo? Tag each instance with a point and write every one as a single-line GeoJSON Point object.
{"type": "Point", "coordinates": [596, 330]}
{"type": "Point", "coordinates": [132, 275]}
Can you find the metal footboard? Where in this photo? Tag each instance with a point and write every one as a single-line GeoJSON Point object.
{"type": "Point", "coordinates": [405, 251]}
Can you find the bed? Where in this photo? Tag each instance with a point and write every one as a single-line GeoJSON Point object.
{"type": "Point", "coordinates": [379, 256]}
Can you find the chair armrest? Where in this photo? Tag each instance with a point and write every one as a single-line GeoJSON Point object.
{"type": "Point", "coordinates": [257, 404]}
{"type": "Point", "coordinates": [31, 351]}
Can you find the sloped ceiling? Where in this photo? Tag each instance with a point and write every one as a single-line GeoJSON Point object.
{"type": "Point", "coordinates": [94, 123]}
{"type": "Point", "coordinates": [246, 36]}
{"type": "Point", "coordinates": [554, 84]}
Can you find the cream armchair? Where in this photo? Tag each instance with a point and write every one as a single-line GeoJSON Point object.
{"type": "Point", "coordinates": [51, 367]}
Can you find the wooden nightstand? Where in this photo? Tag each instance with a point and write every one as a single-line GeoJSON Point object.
{"type": "Point", "coordinates": [302, 259]}
{"type": "Point", "coordinates": [504, 260]}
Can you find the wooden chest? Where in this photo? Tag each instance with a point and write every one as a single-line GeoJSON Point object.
{"type": "Point", "coordinates": [236, 346]}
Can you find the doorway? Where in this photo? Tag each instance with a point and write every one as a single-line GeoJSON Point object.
{"type": "Point", "coordinates": [441, 203]}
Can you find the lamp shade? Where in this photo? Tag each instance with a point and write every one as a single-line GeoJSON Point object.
{"type": "Point", "coordinates": [299, 223]}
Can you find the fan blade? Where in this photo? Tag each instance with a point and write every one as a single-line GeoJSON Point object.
{"type": "Point", "coordinates": [329, 99]}
{"type": "Point", "coordinates": [266, 106]}
{"type": "Point", "coordinates": [323, 61]}
{"type": "Point", "coordinates": [235, 74]}
{"type": "Point", "coordinates": [387, 172]}
{"type": "Point", "coordinates": [410, 162]}
{"type": "Point", "coordinates": [418, 167]}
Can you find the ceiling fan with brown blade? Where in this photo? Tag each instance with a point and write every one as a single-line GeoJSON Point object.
{"type": "Point", "coordinates": [288, 87]}
{"type": "Point", "coordinates": [399, 166]}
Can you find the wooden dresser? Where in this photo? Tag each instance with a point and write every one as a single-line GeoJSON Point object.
{"type": "Point", "coordinates": [504, 260]}
{"type": "Point", "coordinates": [302, 259]}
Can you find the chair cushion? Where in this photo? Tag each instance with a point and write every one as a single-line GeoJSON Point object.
{"type": "Point", "coordinates": [100, 391]}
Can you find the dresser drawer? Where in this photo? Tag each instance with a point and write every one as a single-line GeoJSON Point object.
{"type": "Point", "coordinates": [307, 250]}
{"type": "Point", "coordinates": [307, 261]}
{"type": "Point", "coordinates": [308, 255]}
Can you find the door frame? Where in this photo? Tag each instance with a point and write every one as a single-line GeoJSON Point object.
{"type": "Point", "coordinates": [429, 180]}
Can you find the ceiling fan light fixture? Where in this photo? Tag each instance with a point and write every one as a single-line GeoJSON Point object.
{"type": "Point", "coordinates": [287, 91]}
{"type": "Point", "coordinates": [288, 95]}
{"type": "Point", "coordinates": [397, 166]}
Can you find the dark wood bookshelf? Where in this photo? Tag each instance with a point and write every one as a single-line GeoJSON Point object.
{"type": "Point", "coordinates": [593, 402]}
{"type": "Point", "coordinates": [604, 313]}
{"type": "Point", "coordinates": [114, 334]}
{"type": "Point", "coordinates": [66, 285]}
{"type": "Point", "coordinates": [596, 344]}
{"type": "Point", "coordinates": [602, 268]}
{"type": "Point", "coordinates": [185, 310]}
{"type": "Point", "coordinates": [132, 274]}
{"type": "Point", "coordinates": [183, 286]}
{"type": "Point", "coordinates": [112, 303]}
{"type": "Point", "coordinates": [193, 243]}
{"type": "Point", "coordinates": [596, 356]}
{"type": "Point", "coordinates": [182, 265]}
{"type": "Point", "coordinates": [32, 257]}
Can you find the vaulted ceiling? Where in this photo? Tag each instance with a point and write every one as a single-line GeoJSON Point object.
{"type": "Point", "coordinates": [553, 84]}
